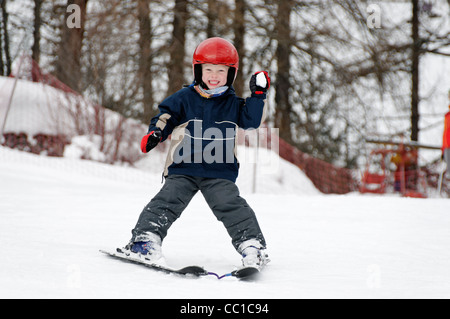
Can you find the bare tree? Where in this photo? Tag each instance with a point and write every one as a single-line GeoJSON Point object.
{"type": "Point", "coordinates": [415, 56]}
{"type": "Point", "coordinates": [212, 16]}
{"type": "Point", "coordinates": [2, 64]}
{"type": "Point", "coordinates": [177, 47]}
{"type": "Point", "coordinates": [145, 74]}
{"type": "Point", "coordinates": [283, 116]}
{"type": "Point", "coordinates": [36, 49]}
{"type": "Point", "coordinates": [239, 33]}
{"type": "Point", "coordinates": [5, 56]}
{"type": "Point", "coordinates": [68, 65]}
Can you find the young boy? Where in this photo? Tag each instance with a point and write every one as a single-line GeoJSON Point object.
{"type": "Point", "coordinates": [203, 120]}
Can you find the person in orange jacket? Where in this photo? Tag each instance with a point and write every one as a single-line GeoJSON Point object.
{"type": "Point", "coordinates": [446, 140]}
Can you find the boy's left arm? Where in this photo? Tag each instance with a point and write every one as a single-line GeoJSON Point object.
{"type": "Point", "coordinates": [253, 111]}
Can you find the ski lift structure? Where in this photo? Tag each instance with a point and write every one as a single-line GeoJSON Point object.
{"type": "Point", "coordinates": [394, 168]}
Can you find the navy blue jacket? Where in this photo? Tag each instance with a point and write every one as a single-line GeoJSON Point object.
{"type": "Point", "coordinates": [204, 131]}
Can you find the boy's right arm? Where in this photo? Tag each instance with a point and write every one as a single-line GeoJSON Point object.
{"type": "Point", "coordinates": [162, 125]}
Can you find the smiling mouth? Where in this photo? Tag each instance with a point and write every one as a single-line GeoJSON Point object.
{"type": "Point", "coordinates": [214, 83]}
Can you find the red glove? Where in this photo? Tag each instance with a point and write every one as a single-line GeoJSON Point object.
{"type": "Point", "coordinates": [150, 141]}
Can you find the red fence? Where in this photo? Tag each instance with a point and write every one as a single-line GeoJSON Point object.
{"type": "Point", "coordinates": [328, 178]}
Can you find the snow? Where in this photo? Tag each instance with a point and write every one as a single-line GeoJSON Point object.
{"type": "Point", "coordinates": [35, 108]}
{"type": "Point", "coordinates": [56, 213]}
{"type": "Point", "coordinates": [85, 147]}
{"type": "Point", "coordinates": [41, 109]}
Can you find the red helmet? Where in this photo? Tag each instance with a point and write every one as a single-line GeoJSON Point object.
{"type": "Point", "coordinates": [216, 51]}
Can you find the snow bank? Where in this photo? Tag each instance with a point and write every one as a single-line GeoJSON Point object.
{"type": "Point", "coordinates": [35, 108]}
{"type": "Point", "coordinates": [57, 212]}
{"type": "Point", "coordinates": [42, 109]}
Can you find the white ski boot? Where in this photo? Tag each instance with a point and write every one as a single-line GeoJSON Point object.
{"type": "Point", "coordinates": [253, 254]}
{"type": "Point", "coordinates": [148, 249]}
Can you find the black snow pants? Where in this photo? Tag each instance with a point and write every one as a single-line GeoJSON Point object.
{"type": "Point", "coordinates": [222, 197]}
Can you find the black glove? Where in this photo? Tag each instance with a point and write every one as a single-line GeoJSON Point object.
{"type": "Point", "coordinates": [260, 82]}
{"type": "Point", "coordinates": [150, 141]}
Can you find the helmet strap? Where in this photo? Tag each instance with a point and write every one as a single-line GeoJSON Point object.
{"type": "Point", "coordinates": [198, 73]}
{"type": "Point", "coordinates": [231, 76]}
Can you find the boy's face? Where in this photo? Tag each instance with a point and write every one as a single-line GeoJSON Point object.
{"type": "Point", "coordinates": [214, 75]}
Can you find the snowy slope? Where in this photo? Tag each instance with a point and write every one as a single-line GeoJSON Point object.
{"type": "Point", "coordinates": [56, 213]}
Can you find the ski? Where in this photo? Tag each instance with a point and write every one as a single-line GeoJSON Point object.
{"type": "Point", "coordinates": [245, 273]}
{"type": "Point", "coordinates": [195, 271]}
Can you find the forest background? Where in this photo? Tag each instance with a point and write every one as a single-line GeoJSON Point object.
{"type": "Point", "coordinates": [343, 71]}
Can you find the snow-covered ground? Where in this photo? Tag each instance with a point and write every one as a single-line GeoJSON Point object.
{"type": "Point", "coordinates": [56, 213]}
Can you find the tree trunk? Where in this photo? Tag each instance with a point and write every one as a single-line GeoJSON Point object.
{"type": "Point", "coordinates": [2, 64]}
{"type": "Point", "coordinates": [6, 69]}
{"type": "Point", "coordinates": [176, 63]}
{"type": "Point", "coordinates": [211, 15]}
{"type": "Point", "coordinates": [282, 84]}
{"type": "Point", "coordinates": [36, 49]}
{"type": "Point", "coordinates": [68, 65]}
{"type": "Point", "coordinates": [145, 61]}
{"type": "Point", "coordinates": [415, 97]}
{"type": "Point", "coordinates": [239, 32]}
